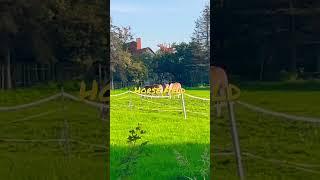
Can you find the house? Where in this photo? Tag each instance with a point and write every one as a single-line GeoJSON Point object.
{"type": "Point", "coordinates": [135, 48]}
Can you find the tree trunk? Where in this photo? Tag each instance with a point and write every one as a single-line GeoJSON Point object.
{"type": "Point", "coordinates": [24, 78]}
{"type": "Point", "coordinates": [100, 74]}
{"type": "Point", "coordinates": [2, 76]}
{"type": "Point", "coordinates": [262, 69]}
{"type": "Point", "coordinates": [112, 85]}
{"type": "Point", "coordinates": [29, 70]}
{"type": "Point", "coordinates": [43, 72]}
{"type": "Point", "coordinates": [105, 74]}
{"type": "Point", "coordinates": [53, 71]}
{"type": "Point", "coordinates": [36, 72]}
{"type": "Point", "coordinates": [293, 63]}
{"type": "Point", "coordinates": [318, 62]}
{"type": "Point", "coordinates": [9, 80]}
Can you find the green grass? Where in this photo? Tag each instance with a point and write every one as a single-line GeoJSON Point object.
{"type": "Point", "coordinates": [271, 137]}
{"type": "Point", "coordinates": [166, 131]}
{"type": "Point", "coordinates": [48, 160]}
{"type": "Point", "coordinates": [262, 135]}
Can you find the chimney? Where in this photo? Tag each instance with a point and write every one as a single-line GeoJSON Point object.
{"type": "Point", "coordinates": [138, 43]}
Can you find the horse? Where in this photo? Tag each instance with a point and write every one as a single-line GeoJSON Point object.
{"type": "Point", "coordinates": [155, 89]}
{"type": "Point", "coordinates": [165, 87]}
{"type": "Point", "coordinates": [175, 88]}
{"type": "Point", "coordinates": [218, 79]}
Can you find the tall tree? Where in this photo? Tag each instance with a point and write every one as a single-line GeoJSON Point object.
{"type": "Point", "coordinates": [201, 36]}
{"type": "Point", "coordinates": [22, 19]}
{"type": "Point", "coordinates": [120, 58]}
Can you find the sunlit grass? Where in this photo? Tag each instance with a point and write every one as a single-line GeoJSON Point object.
{"type": "Point", "coordinates": [167, 130]}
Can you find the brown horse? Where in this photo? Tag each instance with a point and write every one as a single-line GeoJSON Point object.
{"type": "Point", "coordinates": [175, 88]}
{"type": "Point", "coordinates": [218, 79]}
{"type": "Point", "coordinates": [155, 89]}
{"type": "Point", "coordinates": [165, 87]}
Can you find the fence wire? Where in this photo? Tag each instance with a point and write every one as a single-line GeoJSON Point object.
{"type": "Point", "coordinates": [40, 102]}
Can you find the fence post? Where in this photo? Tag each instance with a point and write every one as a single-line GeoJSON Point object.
{"type": "Point", "coordinates": [66, 126]}
{"type": "Point", "coordinates": [235, 137]}
{"type": "Point", "coordinates": [183, 106]}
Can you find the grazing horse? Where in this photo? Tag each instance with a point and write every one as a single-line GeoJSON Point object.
{"type": "Point", "coordinates": [165, 87]}
{"type": "Point", "coordinates": [218, 79]}
{"type": "Point", "coordinates": [175, 88]}
{"type": "Point", "coordinates": [155, 89]}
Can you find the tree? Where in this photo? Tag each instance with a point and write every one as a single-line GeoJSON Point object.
{"type": "Point", "coordinates": [50, 31]}
{"type": "Point", "coordinates": [201, 37]}
{"type": "Point", "coordinates": [125, 66]}
{"type": "Point", "coordinates": [23, 19]}
{"type": "Point", "coordinates": [201, 47]}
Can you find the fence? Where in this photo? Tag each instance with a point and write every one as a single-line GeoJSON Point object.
{"type": "Point", "coordinates": [65, 140]}
{"type": "Point", "coordinates": [288, 117]}
{"type": "Point", "coordinates": [183, 108]}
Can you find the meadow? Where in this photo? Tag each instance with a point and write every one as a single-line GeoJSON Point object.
{"type": "Point", "coordinates": [272, 147]}
{"type": "Point", "coordinates": [279, 148]}
{"type": "Point", "coordinates": [26, 151]}
{"type": "Point", "coordinates": [167, 132]}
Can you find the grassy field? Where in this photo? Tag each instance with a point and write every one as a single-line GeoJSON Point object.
{"type": "Point", "coordinates": [274, 139]}
{"type": "Point", "coordinates": [269, 137]}
{"type": "Point", "coordinates": [50, 160]}
{"type": "Point", "coordinates": [167, 132]}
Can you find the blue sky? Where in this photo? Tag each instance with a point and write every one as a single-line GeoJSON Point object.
{"type": "Point", "coordinates": [158, 21]}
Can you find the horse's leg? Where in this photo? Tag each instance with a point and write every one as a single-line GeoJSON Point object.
{"type": "Point", "coordinates": [219, 104]}
{"type": "Point", "coordinates": [218, 109]}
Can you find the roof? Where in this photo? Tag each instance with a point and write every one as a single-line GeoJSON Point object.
{"type": "Point", "coordinates": [134, 51]}
{"type": "Point", "coordinates": [145, 50]}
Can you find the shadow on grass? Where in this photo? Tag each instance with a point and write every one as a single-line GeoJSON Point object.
{"type": "Point", "coordinates": [33, 166]}
{"type": "Point", "coordinates": [161, 162]}
{"type": "Point", "coordinates": [311, 85]}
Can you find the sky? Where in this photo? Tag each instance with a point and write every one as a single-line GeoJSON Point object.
{"type": "Point", "coordinates": [158, 21]}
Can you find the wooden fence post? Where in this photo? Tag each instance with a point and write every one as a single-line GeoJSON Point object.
{"type": "Point", "coordinates": [66, 126]}
{"type": "Point", "coordinates": [235, 136]}
{"type": "Point", "coordinates": [183, 106]}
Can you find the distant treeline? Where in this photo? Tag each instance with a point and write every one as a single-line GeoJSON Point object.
{"type": "Point", "coordinates": [268, 39]}
{"type": "Point", "coordinates": [37, 35]}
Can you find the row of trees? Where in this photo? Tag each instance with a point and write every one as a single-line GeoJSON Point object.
{"type": "Point", "coordinates": [267, 39]}
{"type": "Point", "coordinates": [51, 31]}
{"type": "Point", "coordinates": [188, 64]}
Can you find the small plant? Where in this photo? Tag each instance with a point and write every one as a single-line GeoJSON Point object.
{"type": "Point", "coordinates": [184, 163]}
{"type": "Point", "coordinates": [128, 163]}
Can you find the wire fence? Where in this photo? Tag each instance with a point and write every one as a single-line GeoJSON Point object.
{"type": "Point", "coordinates": [169, 108]}
{"type": "Point", "coordinates": [299, 166]}
{"type": "Point", "coordinates": [65, 139]}
{"type": "Point", "coordinates": [279, 116]}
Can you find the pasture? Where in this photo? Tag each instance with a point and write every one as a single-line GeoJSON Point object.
{"type": "Point", "coordinates": [167, 132]}
{"type": "Point", "coordinates": [272, 147]}
{"type": "Point", "coordinates": [30, 146]}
